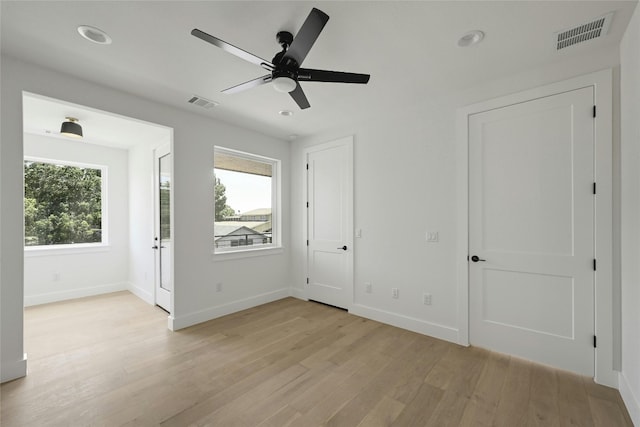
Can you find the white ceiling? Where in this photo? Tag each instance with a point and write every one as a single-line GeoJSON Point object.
{"type": "Point", "coordinates": [44, 116]}
{"type": "Point", "coordinates": [409, 48]}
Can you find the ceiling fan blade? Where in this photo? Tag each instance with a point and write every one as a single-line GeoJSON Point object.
{"type": "Point", "coordinates": [248, 85]}
{"type": "Point", "coordinates": [301, 99]}
{"type": "Point", "coordinates": [306, 37]}
{"type": "Point", "coordinates": [227, 47]}
{"type": "Point", "coordinates": [310, 75]}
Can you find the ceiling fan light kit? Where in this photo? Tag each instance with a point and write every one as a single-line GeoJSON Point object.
{"type": "Point", "coordinates": [284, 84]}
{"type": "Point", "coordinates": [284, 70]}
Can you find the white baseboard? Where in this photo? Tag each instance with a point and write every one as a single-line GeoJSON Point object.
{"type": "Point", "coordinates": [30, 300]}
{"type": "Point", "coordinates": [11, 370]}
{"type": "Point", "coordinates": [298, 293]}
{"type": "Point", "coordinates": [184, 321]}
{"type": "Point", "coordinates": [141, 293]}
{"type": "Point", "coordinates": [630, 399]}
{"type": "Point", "coordinates": [442, 332]}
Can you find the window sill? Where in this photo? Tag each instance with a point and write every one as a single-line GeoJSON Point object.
{"type": "Point", "coordinates": [55, 250]}
{"type": "Point", "coordinates": [246, 253]}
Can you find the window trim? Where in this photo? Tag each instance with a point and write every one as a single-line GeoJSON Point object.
{"type": "Point", "coordinates": [69, 248]}
{"type": "Point", "coordinates": [276, 234]}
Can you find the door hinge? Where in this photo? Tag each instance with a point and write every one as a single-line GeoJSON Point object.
{"type": "Point", "coordinates": [594, 111]}
{"type": "Point", "coordinates": [594, 264]}
{"type": "Point", "coordinates": [307, 242]}
{"type": "Point", "coordinates": [594, 342]}
{"type": "Point", "coordinates": [307, 204]}
{"type": "Point", "coordinates": [307, 280]}
{"type": "Point", "coordinates": [594, 188]}
{"type": "Point", "coordinates": [307, 166]}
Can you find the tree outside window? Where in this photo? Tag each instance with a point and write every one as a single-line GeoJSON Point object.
{"type": "Point", "coordinates": [62, 204]}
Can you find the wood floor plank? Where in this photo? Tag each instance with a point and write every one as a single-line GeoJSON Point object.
{"type": "Point", "coordinates": [573, 405]}
{"type": "Point", "coordinates": [110, 361]}
{"type": "Point", "coordinates": [421, 408]}
{"type": "Point", "coordinates": [468, 365]}
{"type": "Point", "coordinates": [383, 413]}
{"type": "Point", "coordinates": [607, 413]}
{"type": "Point", "coordinates": [543, 399]}
{"type": "Point", "coordinates": [361, 404]}
{"type": "Point", "coordinates": [514, 399]}
{"type": "Point", "coordinates": [484, 401]}
{"type": "Point", "coordinates": [608, 394]}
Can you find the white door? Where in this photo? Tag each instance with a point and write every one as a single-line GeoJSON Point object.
{"type": "Point", "coordinates": [531, 227]}
{"type": "Point", "coordinates": [330, 223]}
{"type": "Point", "coordinates": [163, 229]}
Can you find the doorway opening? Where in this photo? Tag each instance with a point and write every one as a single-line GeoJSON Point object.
{"type": "Point", "coordinates": [89, 204]}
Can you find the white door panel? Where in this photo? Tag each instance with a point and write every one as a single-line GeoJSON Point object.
{"type": "Point", "coordinates": [531, 218]}
{"type": "Point", "coordinates": [329, 224]}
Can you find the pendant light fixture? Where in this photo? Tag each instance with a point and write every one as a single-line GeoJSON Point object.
{"type": "Point", "coordinates": [71, 128]}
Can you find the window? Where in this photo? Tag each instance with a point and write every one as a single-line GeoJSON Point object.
{"type": "Point", "coordinates": [63, 203]}
{"type": "Point", "coordinates": [246, 210]}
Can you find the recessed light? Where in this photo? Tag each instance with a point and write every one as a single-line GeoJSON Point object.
{"type": "Point", "coordinates": [285, 113]}
{"type": "Point", "coordinates": [293, 136]}
{"type": "Point", "coordinates": [93, 34]}
{"type": "Point", "coordinates": [471, 38]}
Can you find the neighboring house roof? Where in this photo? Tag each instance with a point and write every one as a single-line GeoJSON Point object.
{"type": "Point", "coordinates": [256, 212]}
{"type": "Point", "coordinates": [226, 228]}
{"type": "Point", "coordinates": [263, 227]}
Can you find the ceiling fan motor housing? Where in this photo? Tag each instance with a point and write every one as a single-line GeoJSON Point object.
{"type": "Point", "coordinates": [284, 72]}
{"type": "Point", "coordinates": [284, 38]}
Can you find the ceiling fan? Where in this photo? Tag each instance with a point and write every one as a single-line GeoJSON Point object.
{"type": "Point", "coordinates": [284, 68]}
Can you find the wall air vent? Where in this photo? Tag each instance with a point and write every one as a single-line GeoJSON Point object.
{"type": "Point", "coordinates": [203, 102]}
{"type": "Point", "coordinates": [597, 28]}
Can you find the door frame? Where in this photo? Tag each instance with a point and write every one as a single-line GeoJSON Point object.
{"type": "Point", "coordinates": [348, 142]}
{"type": "Point", "coordinates": [601, 82]}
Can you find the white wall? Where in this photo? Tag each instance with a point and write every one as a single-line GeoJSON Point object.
{"type": "Point", "coordinates": [141, 210]}
{"type": "Point", "coordinates": [51, 276]}
{"type": "Point", "coordinates": [245, 282]}
{"type": "Point", "coordinates": [630, 221]}
{"type": "Point", "coordinates": [405, 185]}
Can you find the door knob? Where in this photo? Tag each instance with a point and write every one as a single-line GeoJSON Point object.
{"type": "Point", "coordinates": [476, 258]}
{"type": "Point", "coordinates": [344, 248]}
{"type": "Point", "coordinates": [154, 247]}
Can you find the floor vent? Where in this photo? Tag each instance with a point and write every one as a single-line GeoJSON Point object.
{"type": "Point", "coordinates": [203, 102]}
{"type": "Point", "coordinates": [591, 30]}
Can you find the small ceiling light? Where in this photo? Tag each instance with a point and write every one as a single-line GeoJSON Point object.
{"type": "Point", "coordinates": [284, 84]}
{"type": "Point", "coordinates": [471, 38]}
{"type": "Point", "coordinates": [71, 128]}
{"type": "Point", "coordinates": [285, 113]}
{"type": "Point", "coordinates": [93, 34]}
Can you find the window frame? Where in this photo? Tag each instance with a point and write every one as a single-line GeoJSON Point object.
{"type": "Point", "coordinates": [242, 251]}
{"type": "Point", "coordinates": [71, 248]}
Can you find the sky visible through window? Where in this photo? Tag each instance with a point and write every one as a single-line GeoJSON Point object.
{"type": "Point", "coordinates": [245, 191]}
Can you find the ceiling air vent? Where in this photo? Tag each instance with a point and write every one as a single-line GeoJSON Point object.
{"type": "Point", "coordinates": [203, 102]}
{"type": "Point", "coordinates": [591, 30]}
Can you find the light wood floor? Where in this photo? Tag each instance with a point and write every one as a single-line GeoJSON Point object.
{"type": "Point", "coordinates": [110, 361]}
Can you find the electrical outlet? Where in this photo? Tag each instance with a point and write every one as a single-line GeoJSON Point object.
{"type": "Point", "coordinates": [367, 287]}
{"type": "Point", "coordinates": [432, 236]}
{"type": "Point", "coordinates": [56, 276]}
{"type": "Point", "coordinates": [219, 287]}
{"type": "Point", "coordinates": [395, 293]}
{"type": "Point", "coordinates": [426, 299]}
